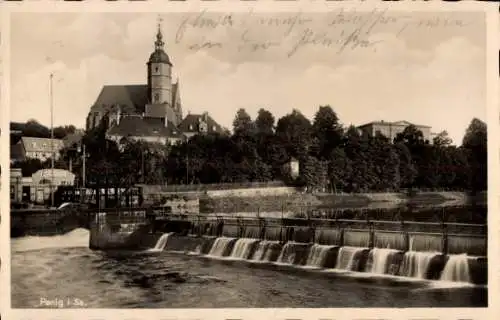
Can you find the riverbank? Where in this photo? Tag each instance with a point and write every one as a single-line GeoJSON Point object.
{"type": "Point", "coordinates": [291, 200]}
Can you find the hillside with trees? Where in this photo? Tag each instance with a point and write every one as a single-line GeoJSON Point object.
{"type": "Point", "coordinates": [332, 157]}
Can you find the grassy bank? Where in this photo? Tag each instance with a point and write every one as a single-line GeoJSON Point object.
{"type": "Point", "coordinates": [295, 202]}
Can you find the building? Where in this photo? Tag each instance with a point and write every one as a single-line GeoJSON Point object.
{"type": "Point", "coordinates": [199, 124]}
{"type": "Point", "coordinates": [36, 189]}
{"type": "Point", "coordinates": [392, 129]}
{"type": "Point", "coordinates": [16, 184]}
{"type": "Point", "coordinates": [150, 112]}
{"type": "Point", "coordinates": [292, 168]}
{"type": "Point", "coordinates": [36, 148]}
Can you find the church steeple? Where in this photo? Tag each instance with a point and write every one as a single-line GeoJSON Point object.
{"type": "Point", "coordinates": [159, 37]}
{"type": "Point", "coordinates": [160, 82]}
{"type": "Point", "coordinates": [159, 55]}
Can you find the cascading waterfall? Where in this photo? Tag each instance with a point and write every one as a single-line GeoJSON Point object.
{"type": "Point", "coordinates": [287, 254]}
{"type": "Point", "coordinates": [264, 250]}
{"type": "Point", "coordinates": [381, 259]}
{"type": "Point", "coordinates": [347, 258]}
{"type": "Point", "coordinates": [293, 253]}
{"type": "Point", "coordinates": [243, 248]}
{"type": "Point", "coordinates": [318, 254]}
{"type": "Point", "coordinates": [220, 246]}
{"type": "Point", "coordinates": [161, 243]}
{"type": "Point", "coordinates": [416, 264]}
{"type": "Point", "coordinates": [456, 269]}
{"type": "Point", "coordinates": [412, 264]}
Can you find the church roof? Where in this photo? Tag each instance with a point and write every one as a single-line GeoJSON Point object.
{"type": "Point", "coordinates": [132, 98]}
{"type": "Point", "coordinates": [159, 56]}
{"type": "Point", "coordinates": [137, 126]}
{"type": "Point", "coordinates": [191, 122]}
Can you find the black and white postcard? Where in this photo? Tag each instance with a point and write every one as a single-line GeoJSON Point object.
{"type": "Point", "coordinates": [236, 160]}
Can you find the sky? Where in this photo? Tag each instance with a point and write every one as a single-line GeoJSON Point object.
{"type": "Point", "coordinates": [427, 68]}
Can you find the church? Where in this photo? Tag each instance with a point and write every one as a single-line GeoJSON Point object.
{"type": "Point", "coordinates": [151, 112]}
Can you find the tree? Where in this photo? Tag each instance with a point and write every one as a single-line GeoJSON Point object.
{"type": "Point", "coordinates": [28, 167]}
{"type": "Point", "coordinates": [264, 123]}
{"type": "Point", "coordinates": [410, 136]}
{"type": "Point", "coordinates": [313, 173]}
{"type": "Point", "coordinates": [243, 124]}
{"type": "Point", "coordinates": [407, 169]}
{"type": "Point", "coordinates": [339, 170]}
{"type": "Point", "coordinates": [442, 139]}
{"type": "Point", "coordinates": [34, 129]}
{"type": "Point", "coordinates": [62, 131]}
{"type": "Point", "coordinates": [475, 135]}
{"type": "Point", "coordinates": [294, 130]}
{"type": "Point", "coordinates": [475, 141]}
{"type": "Point", "coordinates": [327, 130]}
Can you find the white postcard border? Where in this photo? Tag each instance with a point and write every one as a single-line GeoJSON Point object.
{"type": "Point", "coordinates": [237, 6]}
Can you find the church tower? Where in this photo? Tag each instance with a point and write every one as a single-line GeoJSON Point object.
{"type": "Point", "coordinates": [159, 82]}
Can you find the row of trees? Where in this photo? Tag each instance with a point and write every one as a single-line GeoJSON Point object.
{"type": "Point", "coordinates": [33, 128]}
{"type": "Point", "coordinates": [330, 156]}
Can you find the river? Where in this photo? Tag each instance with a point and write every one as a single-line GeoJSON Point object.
{"type": "Point", "coordinates": [62, 272]}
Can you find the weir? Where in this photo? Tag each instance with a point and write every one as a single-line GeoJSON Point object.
{"type": "Point", "coordinates": [423, 250]}
{"type": "Point", "coordinates": [425, 266]}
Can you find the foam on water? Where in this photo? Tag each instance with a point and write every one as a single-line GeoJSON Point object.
{"type": "Point", "coordinates": [73, 239]}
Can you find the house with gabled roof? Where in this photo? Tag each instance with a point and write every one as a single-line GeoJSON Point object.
{"type": "Point", "coordinates": [392, 129]}
{"type": "Point", "coordinates": [36, 148]}
{"type": "Point", "coordinates": [199, 124]}
{"type": "Point", "coordinates": [150, 112]}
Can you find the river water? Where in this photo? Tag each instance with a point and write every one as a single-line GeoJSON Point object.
{"type": "Point", "coordinates": [61, 271]}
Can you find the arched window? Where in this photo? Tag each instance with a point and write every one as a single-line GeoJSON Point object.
{"type": "Point", "coordinates": [157, 97]}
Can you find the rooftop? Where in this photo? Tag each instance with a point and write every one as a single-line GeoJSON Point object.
{"type": "Point", "coordinates": [401, 123]}
{"type": "Point", "coordinates": [138, 126]}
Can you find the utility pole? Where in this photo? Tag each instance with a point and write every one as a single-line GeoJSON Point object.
{"type": "Point", "coordinates": [143, 178]}
{"type": "Point", "coordinates": [83, 166]}
{"type": "Point", "coordinates": [52, 141]}
{"type": "Point", "coordinates": [187, 168]}
{"type": "Point", "coordinates": [83, 191]}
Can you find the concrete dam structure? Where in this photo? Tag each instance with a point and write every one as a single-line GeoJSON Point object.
{"type": "Point", "coordinates": [434, 251]}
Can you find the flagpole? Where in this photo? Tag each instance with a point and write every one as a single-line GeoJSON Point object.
{"type": "Point", "coordinates": [52, 140]}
